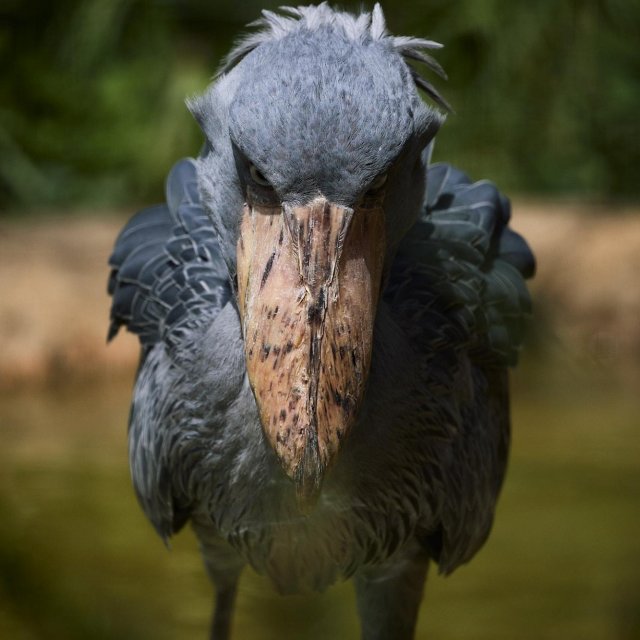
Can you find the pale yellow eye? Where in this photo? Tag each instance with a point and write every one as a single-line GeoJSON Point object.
{"type": "Point", "coordinates": [258, 177]}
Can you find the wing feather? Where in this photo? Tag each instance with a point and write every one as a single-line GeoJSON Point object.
{"type": "Point", "coordinates": [167, 279]}
{"type": "Point", "coordinates": [457, 288]}
{"type": "Point", "coordinates": [166, 266]}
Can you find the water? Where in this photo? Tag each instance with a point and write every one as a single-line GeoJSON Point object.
{"type": "Point", "coordinates": [78, 559]}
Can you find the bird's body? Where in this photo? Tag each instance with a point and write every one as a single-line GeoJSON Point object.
{"type": "Point", "coordinates": [373, 455]}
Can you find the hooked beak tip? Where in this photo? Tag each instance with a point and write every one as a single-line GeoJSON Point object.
{"type": "Point", "coordinates": [309, 474]}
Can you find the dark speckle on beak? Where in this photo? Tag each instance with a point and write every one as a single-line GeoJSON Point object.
{"type": "Point", "coordinates": [267, 270]}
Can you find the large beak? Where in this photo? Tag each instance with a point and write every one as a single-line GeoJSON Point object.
{"type": "Point", "coordinates": [308, 285]}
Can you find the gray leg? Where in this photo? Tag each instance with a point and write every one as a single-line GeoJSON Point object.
{"type": "Point", "coordinates": [224, 567]}
{"type": "Point", "coordinates": [389, 597]}
{"type": "Point", "coordinates": [223, 611]}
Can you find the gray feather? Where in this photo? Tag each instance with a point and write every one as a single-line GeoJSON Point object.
{"type": "Point", "coordinates": [357, 28]}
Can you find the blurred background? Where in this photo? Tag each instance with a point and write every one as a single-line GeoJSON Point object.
{"type": "Point", "coordinates": [92, 116]}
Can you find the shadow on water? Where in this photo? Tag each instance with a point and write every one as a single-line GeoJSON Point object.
{"type": "Point", "coordinates": [78, 559]}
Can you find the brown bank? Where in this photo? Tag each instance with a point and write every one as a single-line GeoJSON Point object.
{"type": "Point", "coordinates": [54, 306]}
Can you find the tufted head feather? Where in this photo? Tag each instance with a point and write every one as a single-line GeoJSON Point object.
{"type": "Point", "coordinates": [361, 28]}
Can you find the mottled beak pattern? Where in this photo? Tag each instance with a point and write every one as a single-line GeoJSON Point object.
{"type": "Point", "coordinates": [308, 285]}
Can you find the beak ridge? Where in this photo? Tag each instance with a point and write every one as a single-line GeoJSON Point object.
{"type": "Point", "coordinates": [317, 232]}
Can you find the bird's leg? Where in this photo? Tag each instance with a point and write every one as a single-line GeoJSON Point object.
{"type": "Point", "coordinates": [389, 597]}
{"type": "Point", "coordinates": [223, 610]}
{"type": "Point", "coordinates": [224, 567]}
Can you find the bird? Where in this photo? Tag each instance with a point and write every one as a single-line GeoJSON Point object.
{"type": "Point", "coordinates": [326, 321]}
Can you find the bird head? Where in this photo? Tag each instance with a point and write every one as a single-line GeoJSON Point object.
{"type": "Point", "coordinates": [313, 170]}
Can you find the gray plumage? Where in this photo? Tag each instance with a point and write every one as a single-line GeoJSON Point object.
{"type": "Point", "coordinates": [324, 102]}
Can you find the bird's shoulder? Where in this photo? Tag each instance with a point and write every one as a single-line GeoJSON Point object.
{"type": "Point", "coordinates": [167, 274]}
{"type": "Point", "coordinates": [458, 279]}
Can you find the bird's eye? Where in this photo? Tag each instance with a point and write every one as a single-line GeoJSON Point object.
{"type": "Point", "coordinates": [258, 177]}
{"type": "Point", "coordinates": [378, 183]}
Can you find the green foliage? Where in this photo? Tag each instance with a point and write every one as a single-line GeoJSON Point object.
{"type": "Point", "coordinates": [549, 98]}
{"type": "Point", "coordinates": [92, 92]}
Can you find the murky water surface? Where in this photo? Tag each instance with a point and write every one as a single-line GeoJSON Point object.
{"type": "Point", "coordinates": [78, 559]}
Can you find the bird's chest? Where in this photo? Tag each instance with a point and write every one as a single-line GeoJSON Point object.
{"type": "Point", "coordinates": [371, 504]}
{"type": "Point", "coordinates": [360, 519]}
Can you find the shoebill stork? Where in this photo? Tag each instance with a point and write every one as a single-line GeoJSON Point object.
{"type": "Point", "coordinates": [326, 325]}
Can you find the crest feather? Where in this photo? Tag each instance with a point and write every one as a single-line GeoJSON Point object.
{"type": "Point", "coordinates": [363, 28]}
